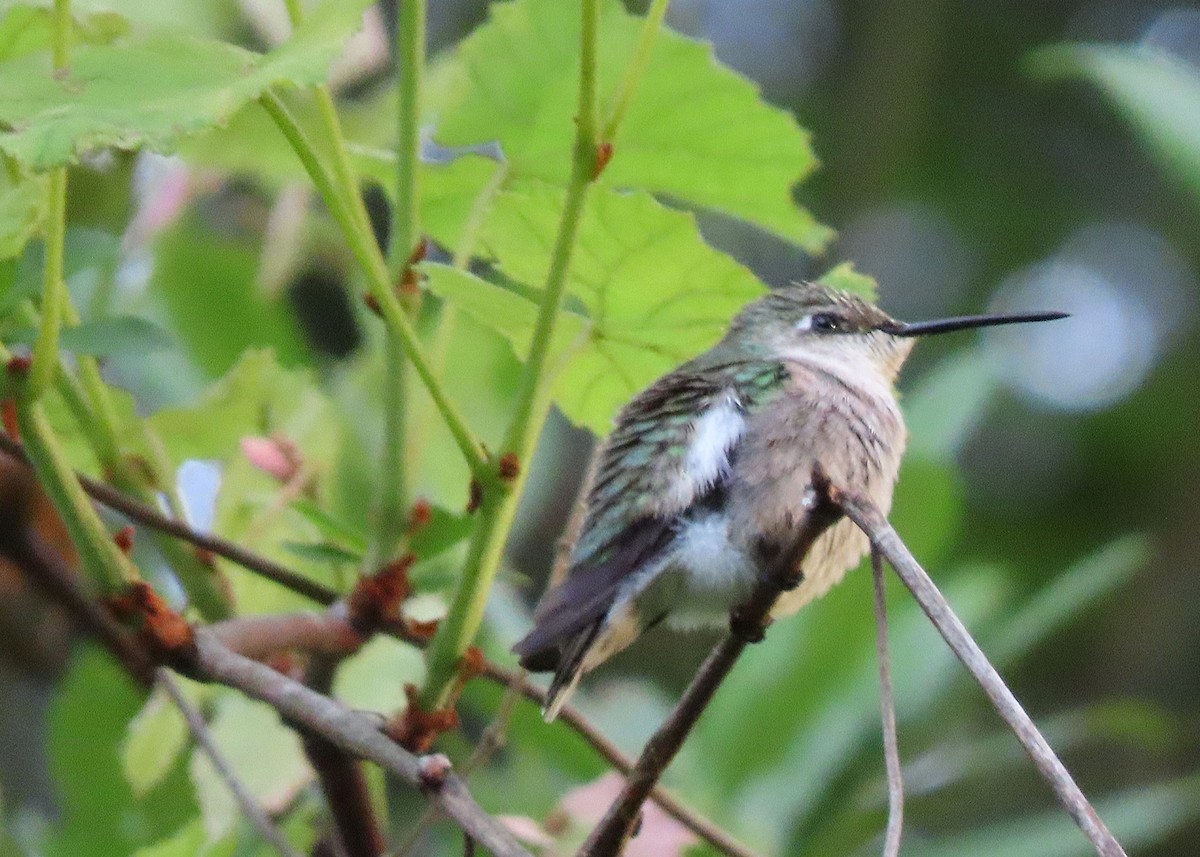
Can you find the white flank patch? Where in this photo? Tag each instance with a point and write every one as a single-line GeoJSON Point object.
{"type": "Point", "coordinates": [713, 435]}
{"type": "Point", "coordinates": [711, 560]}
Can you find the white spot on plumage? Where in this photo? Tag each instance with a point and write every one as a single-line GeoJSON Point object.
{"type": "Point", "coordinates": [713, 436]}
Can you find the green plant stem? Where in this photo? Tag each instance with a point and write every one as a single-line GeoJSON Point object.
{"type": "Point", "coordinates": [443, 335]}
{"type": "Point", "coordinates": [392, 489]}
{"type": "Point", "coordinates": [636, 69]}
{"type": "Point", "coordinates": [391, 483]}
{"type": "Point", "coordinates": [101, 557]}
{"type": "Point", "coordinates": [410, 60]}
{"type": "Point", "coordinates": [89, 399]}
{"type": "Point", "coordinates": [60, 37]}
{"type": "Point", "coordinates": [365, 249]}
{"type": "Point", "coordinates": [54, 290]}
{"type": "Point", "coordinates": [203, 586]}
{"type": "Point", "coordinates": [462, 621]}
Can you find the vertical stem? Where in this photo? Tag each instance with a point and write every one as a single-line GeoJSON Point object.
{"type": "Point", "coordinates": [54, 290]}
{"type": "Point", "coordinates": [101, 557]}
{"type": "Point", "coordinates": [366, 251]}
{"type": "Point", "coordinates": [410, 60]}
{"type": "Point", "coordinates": [462, 621]}
{"type": "Point", "coordinates": [887, 705]}
{"type": "Point", "coordinates": [392, 489]}
{"type": "Point", "coordinates": [636, 68]}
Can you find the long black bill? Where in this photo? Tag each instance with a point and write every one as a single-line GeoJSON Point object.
{"type": "Point", "coordinates": [966, 322]}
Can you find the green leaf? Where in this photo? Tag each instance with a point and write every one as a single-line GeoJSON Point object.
{"type": "Point", "coordinates": [1157, 93]}
{"type": "Point", "coordinates": [99, 814]}
{"type": "Point", "coordinates": [506, 312]}
{"type": "Point", "coordinates": [948, 403]}
{"type": "Point", "coordinates": [151, 93]}
{"type": "Point", "coordinates": [695, 130]}
{"type": "Point", "coordinates": [106, 337]}
{"type": "Point", "coordinates": [656, 295]}
{"type": "Point", "coordinates": [1065, 598]}
{"type": "Point", "coordinates": [263, 753]}
{"type": "Point", "coordinates": [374, 679]}
{"type": "Point", "coordinates": [20, 214]}
{"type": "Point", "coordinates": [189, 841]}
{"type": "Point", "coordinates": [444, 530]}
{"type": "Point", "coordinates": [207, 284]}
{"type": "Point", "coordinates": [845, 278]}
{"type": "Point", "coordinates": [153, 742]}
{"type": "Point", "coordinates": [26, 28]}
{"type": "Point", "coordinates": [321, 552]}
{"type": "Point", "coordinates": [1138, 817]}
{"type": "Point", "coordinates": [330, 527]}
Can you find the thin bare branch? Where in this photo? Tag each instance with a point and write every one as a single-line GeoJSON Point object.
{"type": "Point", "coordinates": [747, 625]}
{"type": "Point", "coordinates": [342, 779]}
{"type": "Point", "coordinates": [328, 633]}
{"type": "Point", "coordinates": [611, 753]}
{"type": "Point", "coordinates": [887, 705]}
{"type": "Point", "coordinates": [199, 729]}
{"type": "Point", "coordinates": [353, 733]}
{"type": "Point", "coordinates": [147, 516]}
{"type": "Point", "coordinates": [872, 522]}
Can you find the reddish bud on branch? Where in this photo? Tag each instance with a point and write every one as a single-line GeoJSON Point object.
{"type": "Point", "coordinates": [124, 539]}
{"type": "Point", "coordinates": [510, 466]}
{"type": "Point", "coordinates": [415, 729]}
{"type": "Point", "coordinates": [604, 153]}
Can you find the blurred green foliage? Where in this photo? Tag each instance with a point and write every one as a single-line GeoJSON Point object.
{"type": "Point", "coordinates": [787, 757]}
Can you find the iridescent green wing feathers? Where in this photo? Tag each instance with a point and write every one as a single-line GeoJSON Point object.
{"type": "Point", "coordinates": [643, 468]}
{"type": "Point", "coordinates": [641, 488]}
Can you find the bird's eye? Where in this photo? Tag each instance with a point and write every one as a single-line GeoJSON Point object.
{"type": "Point", "coordinates": [825, 322]}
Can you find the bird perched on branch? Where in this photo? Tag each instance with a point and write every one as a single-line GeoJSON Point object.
{"type": "Point", "coordinates": [702, 482]}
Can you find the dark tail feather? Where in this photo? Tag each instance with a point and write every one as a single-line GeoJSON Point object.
{"type": "Point", "coordinates": [569, 669]}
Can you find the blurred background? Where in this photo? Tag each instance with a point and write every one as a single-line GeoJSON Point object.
{"type": "Point", "coordinates": [962, 180]}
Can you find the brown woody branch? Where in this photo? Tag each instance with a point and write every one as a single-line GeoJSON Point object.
{"type": "Point", "coordinates": [747, 625]}
{"type": "Point", "coordinates": [325, 633]}
{"type": "Point", "coordinates": [884, 539]}
{"type": "Point", "coordinates": [143, 514]}
{"type": "Point", "coordinates": [353, 733]}
{"type": "Point", "coordinates": [342, 778]}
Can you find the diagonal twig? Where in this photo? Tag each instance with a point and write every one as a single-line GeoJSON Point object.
{"type": "Point", "coordinates": [747, 625]}
{"type": "Point", "coordinates": [199, 729]}
{"type": "Point", "coordinates": [353, 733]}
{"type": "Point", "coordinates": [143, 514]}
{"type": "Point", "coordinates": [871, 521]}
{"type": "Point", "coordinates": [331, 634]}
{"type": "Point", "coordinates": [270, 633]}
{"type": "Point", "coordinates": [887, 704]}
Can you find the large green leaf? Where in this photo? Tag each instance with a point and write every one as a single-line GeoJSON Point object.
{"type": "Point", "coordinates": [654, 292]}
{"type": "Point", "coordinates": [695, 130]}
{"type": "Point", "coordinates": [153, 92]}
{"type": "Point", "coordinates": [1159, 94]}
{"type": "Point", "coordinates": [99, 813]}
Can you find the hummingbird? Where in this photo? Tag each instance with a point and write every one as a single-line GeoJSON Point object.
{"type": "Point", "coordinates": [703, 480]}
